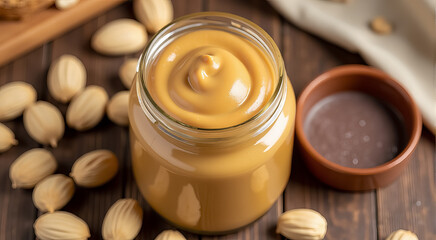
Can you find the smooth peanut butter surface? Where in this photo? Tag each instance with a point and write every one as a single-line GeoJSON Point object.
{"type": "Point", "coordinates": [211, 79]}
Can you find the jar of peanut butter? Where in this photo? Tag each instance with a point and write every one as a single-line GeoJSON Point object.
{"type": "Point", "coordinates": [211, 122]}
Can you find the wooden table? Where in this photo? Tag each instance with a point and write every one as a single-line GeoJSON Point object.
{"type": "Point", "coordinates": [409, 203]}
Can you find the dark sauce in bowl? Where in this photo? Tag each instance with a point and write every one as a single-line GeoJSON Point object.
{"type": "Point", "coordinates": [354, 129]}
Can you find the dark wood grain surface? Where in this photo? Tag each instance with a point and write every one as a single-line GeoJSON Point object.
{"type": "Point", "coordinates": [409, 203]}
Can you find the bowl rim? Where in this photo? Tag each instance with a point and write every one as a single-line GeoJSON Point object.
{"type": "Point", "coordinates": [356, 69]}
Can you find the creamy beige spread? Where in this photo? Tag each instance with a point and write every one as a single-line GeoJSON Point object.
{"type": "Point", "coordinates": [211, 79]}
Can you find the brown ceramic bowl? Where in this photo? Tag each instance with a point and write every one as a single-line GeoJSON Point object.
{"type": "Point", "coordinates": [374, 83]}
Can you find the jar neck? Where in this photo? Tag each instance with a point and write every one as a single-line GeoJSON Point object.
{"type": "Point", "coordinates": [224, 22]}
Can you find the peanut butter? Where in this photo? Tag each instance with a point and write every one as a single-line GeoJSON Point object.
{"type": "Point", "coordinates": [211, 79]}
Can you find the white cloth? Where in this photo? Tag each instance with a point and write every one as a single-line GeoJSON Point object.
{"type": "Point", "coordinates": [408, 54]}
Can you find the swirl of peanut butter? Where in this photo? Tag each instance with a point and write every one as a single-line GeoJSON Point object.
{"type": "Point", "coordinates": [211, 79]}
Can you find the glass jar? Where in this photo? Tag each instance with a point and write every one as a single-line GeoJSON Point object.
{"type": "Point", "coordinates": [211, 180]}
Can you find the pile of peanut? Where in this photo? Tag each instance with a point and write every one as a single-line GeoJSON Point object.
{"type": "Point", "coordinates": [87, 105]}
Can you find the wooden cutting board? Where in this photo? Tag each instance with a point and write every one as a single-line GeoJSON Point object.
{"type": "Point", "coordinates": [18, 37]}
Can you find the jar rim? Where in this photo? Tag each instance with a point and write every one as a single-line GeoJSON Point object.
{"type": "Point", "coordinates": [266, 43]}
